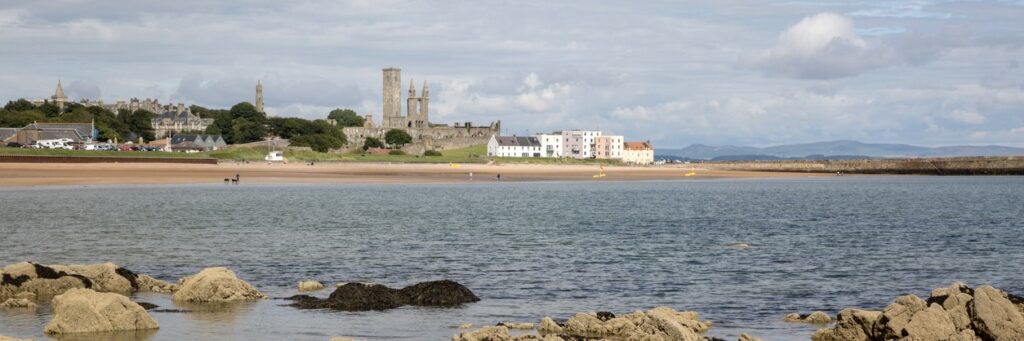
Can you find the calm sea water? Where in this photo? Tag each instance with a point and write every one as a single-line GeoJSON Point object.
{"type": "Point", "coordinates": [532, 249]}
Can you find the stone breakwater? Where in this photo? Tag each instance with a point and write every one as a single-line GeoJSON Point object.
{"type": "Point", "coordinates": [1010, 165]}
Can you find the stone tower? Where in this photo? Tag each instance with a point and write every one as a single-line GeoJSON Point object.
{"type": "Point", "coordinates": [411, 102]}
{"type": "Point", "coordinates": [424, 100]}
{"type": "Point", "coordinates": [392, 98]}
{"type": "Point", "coordinates": [58, 97]}
{"type": "Point", "coordinates": [259, 96]}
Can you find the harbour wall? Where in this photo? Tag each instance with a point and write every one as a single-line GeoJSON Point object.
{"type": "Point", "coordinates": [101, 159]}
{"type": "Point", "coordinates": [1003, 165]}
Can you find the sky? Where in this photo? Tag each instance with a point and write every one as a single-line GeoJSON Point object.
{"type": "Point", "coordinates": [715, 72]}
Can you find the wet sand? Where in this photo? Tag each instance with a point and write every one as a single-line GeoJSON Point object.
{"type": "Point", "coordinates": [47, 174]}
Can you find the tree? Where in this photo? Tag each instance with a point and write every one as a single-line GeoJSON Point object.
{"type": "Point", "coordinates": [346, 118]}
{"type": "Point", "coordinates": [20, 105]}
{"type": "Point", "coordinates": [247, 111]}
{"type": "Point", "coordinates": [19, 119]}
{"type": "Point", "coordinates": [245, 131]}
{"type": "Point", "coordinates": [397, 138]}
{"type": "Point", "coordinates": [372, 142]}
{"type": "Point", "coordinates": [141, 123]}
{"type": "Point", "coordinates": [318, 135]}
{"type": "Point", "coordinates": [49, 109]}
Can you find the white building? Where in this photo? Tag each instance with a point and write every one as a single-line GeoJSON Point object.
{"type": "Point", "coordinates": [514, 146]}
{"type": "Point", "coordinates": [550, 144]}
{"type": "Point", "coordinates": [638, 153]}
{"type": "Point", "coordinates": [579, 144]}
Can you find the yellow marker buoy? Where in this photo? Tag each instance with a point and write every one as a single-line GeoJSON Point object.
{"type": "Point", "coordinates": [454, 165]}
{"type": "Point", "coordinates": [690, 174]}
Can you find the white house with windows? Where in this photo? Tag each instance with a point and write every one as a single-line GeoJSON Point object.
{"type": "Point", "coordinates": [550, 144]}
{"type": "Point", "coordinates": [514, 146]}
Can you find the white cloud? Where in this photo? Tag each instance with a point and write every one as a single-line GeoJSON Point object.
{"type": "Point", "coordinates": [967, 116]}
{"type": "Point", "coordinates": [823, 46]}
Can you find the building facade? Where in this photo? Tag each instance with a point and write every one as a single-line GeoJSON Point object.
{"type": "Point", "coordinates": [638, 153]}
{"type": "Point", "coordinates": [550, 144]}
{"type": "Point", "coordinates": [514, 146]}
{"type": "Point", "coordinates": [579, 144]}
{"type": "Point", "coordinates": [177, 121]}
{"type": "Point", "coordinates": [608, 147]}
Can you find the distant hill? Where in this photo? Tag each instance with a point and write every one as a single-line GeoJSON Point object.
{"type": "Point", "coordinates": [843, 149]}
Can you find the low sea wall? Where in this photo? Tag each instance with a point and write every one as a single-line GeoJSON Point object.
{"type": "Point", "coordinates": [101, 159]}
{"type": "Point", "coordinates": [1010, 165]}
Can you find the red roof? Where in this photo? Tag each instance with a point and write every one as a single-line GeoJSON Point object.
{"type": "Point", "coordinates": [638, 146]}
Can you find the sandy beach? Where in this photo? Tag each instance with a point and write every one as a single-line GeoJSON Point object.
{"type": "Point", "coordinates": [47, 174]}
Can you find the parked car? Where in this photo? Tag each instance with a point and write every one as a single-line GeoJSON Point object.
{"type": "Point", "coordinates": [15, 145]}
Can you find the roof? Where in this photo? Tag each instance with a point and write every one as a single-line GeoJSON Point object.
{"type": "Point", "coordinates": [517, 141]}
{"type": "Point", "coordinates": [83, 129]}
{"type": "Point", "coordinates": [638, 146]}
{"type": "Point", "coordinates": [187, 138]}
{"type": "Point", "coordinates": [49, 134]}
{"type": "Point", "coordinates": [6, 133]}
{"type": "Point", "coordinates": [188, 145]}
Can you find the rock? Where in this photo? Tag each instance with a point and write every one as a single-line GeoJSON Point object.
{"type": "Point", "coordinates": [851, 325]}
{"type": "Point", "coordinates": [215, 285]}
{"type": "Point", "coordinates": [441, 293]}
{"type": "Point", "coordinates": [739, 246]}
{"type": "Point", "coordinates": [465, 326]}
{"type": "Point", "coordinates": [363, 296]}
{"type": "Point", "coordinates": [897, 315]}
{"type": "Point", "coordinates": [747, 337]}
{"type": "Point", "coordinates": [489, 333]}
{"type": "Point", "coordinates": [605, 315]}
{"type": "Point", "coordinates": [147, 305]}
{"type": "Point", "coordinates": [46, 281]}
{"type": "Point", "coordinates": [85, 310]}
{"type": "Point", "coordinates": [930, 324]}
{"type": "Point", "coordinates": [658, 323]}
{"type": "Point", "coordinates": [514, 325]}
{"type": "Point", "coordinates": [12, 303]}
{"type": "Point", "coordinates": [358, 297]}
{"type": "Point", "coordinates": [7, 338]}
{"type": "Point", "coordinates": [994, 317]}
{"type": "Point", "coordinates": [814, 317]}
{"type": "Point", "coordinates": [548, 326]}
{"type": "Point", "coordinates": [26, 295]}
{"type": "Point", "coordinates": [150, 284]}
{"type": "Point", "coordinates": [310, 286]}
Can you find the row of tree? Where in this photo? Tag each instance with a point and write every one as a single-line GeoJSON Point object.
{"type": "Point", "coordinates": [242, 123]}
{"type": "Point", "coordinates": [122, 125]}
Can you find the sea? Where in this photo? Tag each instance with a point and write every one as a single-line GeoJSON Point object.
{"type": "Point", "coordinates": [529, 249]}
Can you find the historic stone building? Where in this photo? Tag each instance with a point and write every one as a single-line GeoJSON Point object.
{"type": "Point", "coordinates": [416, 122]}
{"type": "Point", "coordinates": [179, 120]}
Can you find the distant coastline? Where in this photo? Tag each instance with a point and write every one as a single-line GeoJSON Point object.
{"type": "Point", "coordinates": [992, 165]}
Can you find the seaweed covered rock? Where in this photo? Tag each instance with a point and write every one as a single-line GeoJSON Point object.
{"type": "Point", "coordinates": [85, 310]}
{"type": "Point", "coordinates": [438, 294]}
{"type": "Point", "coordinates": [46, 281]}
{"type": "Point", "coordinates": [215, 285]}
{"type": "Point", "coordinates": [955, 313]}
{"type": "Point", "coordinates": [14, 303]}
{"type": "Point", "coordinates": [369, 296]}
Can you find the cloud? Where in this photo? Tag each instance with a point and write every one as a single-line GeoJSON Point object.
{"type": "Point", "coordinates": [967, 116]}
{"type": "Point", "coordinates": [79, 89]}
{"type": "Point", "coordinates": [823, 46]}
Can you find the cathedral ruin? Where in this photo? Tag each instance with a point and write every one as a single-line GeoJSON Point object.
{"type": "Point", "coordinates": [416, 122]}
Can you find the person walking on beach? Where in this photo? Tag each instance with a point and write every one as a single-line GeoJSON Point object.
{"type": "Point", "coordinates": [237, 178]}
{"type": "Point", "coordinates": [499, 176]}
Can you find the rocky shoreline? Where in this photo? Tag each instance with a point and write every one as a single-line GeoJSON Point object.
{"type": "Point", "coordinates": [95, 298]}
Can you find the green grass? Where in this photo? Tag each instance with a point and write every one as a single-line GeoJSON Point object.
{"type": "Point", "coordinates": [474, 154]}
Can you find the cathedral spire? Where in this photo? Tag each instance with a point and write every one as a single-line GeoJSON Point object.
{"type": "Point", "coordinates": [259, 96]}
{"type": "Point", "coordinates": [426, 90]}
{"type": "Point", "coordinates": [59, 94]}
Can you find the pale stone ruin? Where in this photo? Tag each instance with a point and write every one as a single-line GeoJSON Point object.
{"type": "Point", "coordinates": [416, 122]}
